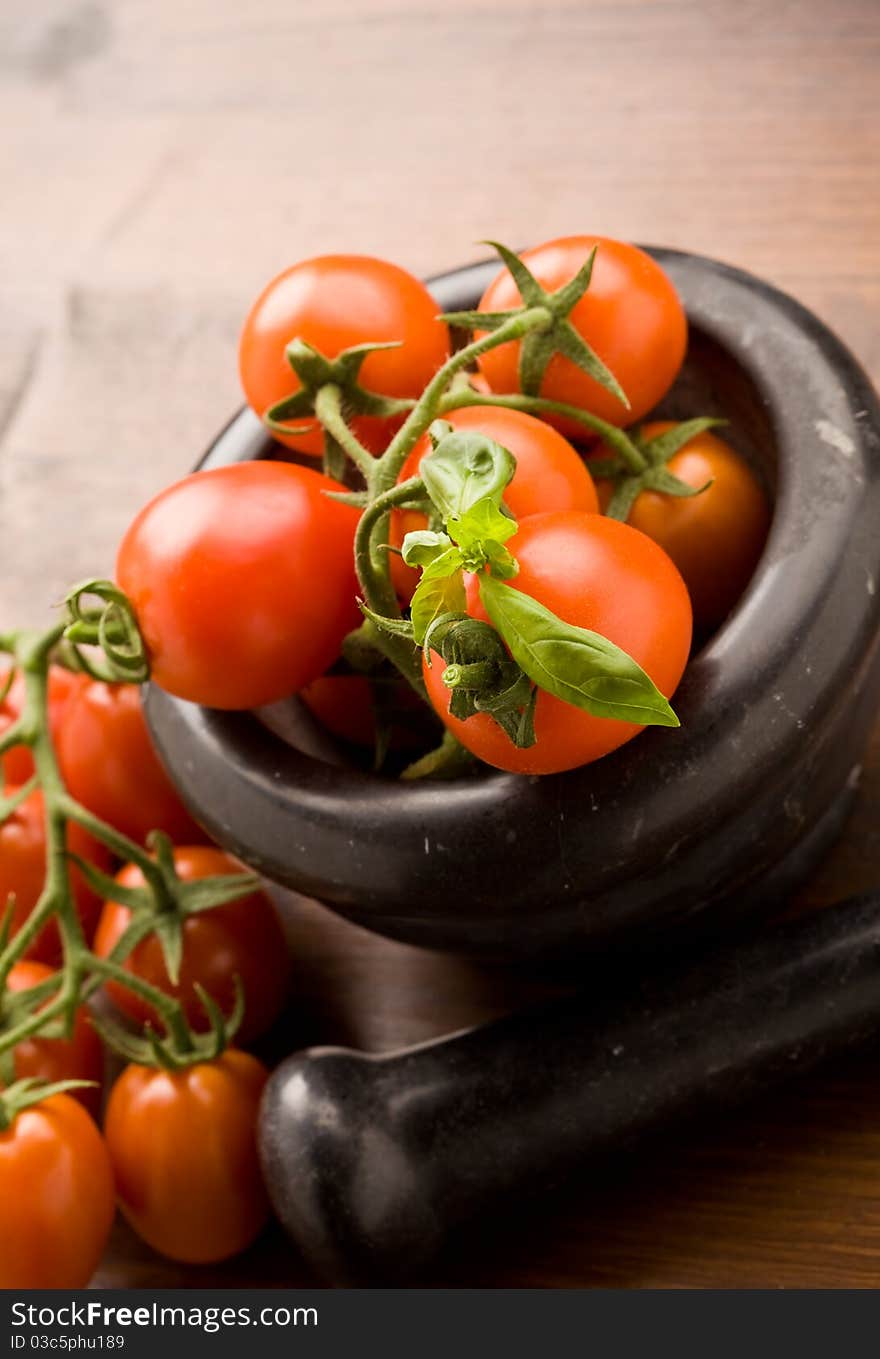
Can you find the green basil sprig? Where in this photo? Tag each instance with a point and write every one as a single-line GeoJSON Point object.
{"type": "Point", "coordinates": [466, 476]}
{"type": "Point", "coordinates": [499, 670]}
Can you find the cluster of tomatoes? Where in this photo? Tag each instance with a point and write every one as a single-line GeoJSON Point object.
{"type": "Point", "coordinates": [242, 578]}
{"type": "Point", "coordinates": [178, 1147]}
{"type": "Point", "coordinates": [591, 557]}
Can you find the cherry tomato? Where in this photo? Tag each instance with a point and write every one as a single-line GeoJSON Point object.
{"type": "Point", "coordinates": [56, 1197]}
{"type": "Point", "coordinates": [345, 705]}
{"type": "Point", "coordinates": [334, 302]}
{"type": "Point", "coordinates": [598, 574]}
{"type": "Point", "coordinates": [183, 1148]}
{"type": "Point", "coordinates": [715, 538]}
{"type": "Point", "coordinates": [108, 763]}
{"type": "Point", "coordinates": [242, 579]}
{"type": "Point", "coordinates": [80, 1058]}
{"type": "Point", "coordinates": [550, 475]}
{"type": "Point", "coordinates": [23, 872]}
{"type": "Point", "coordinates": [630, 316]}
{"type": "Point", "coordinates": [243, 938]}
{"type": "Point", "coordinates": [17, 765]}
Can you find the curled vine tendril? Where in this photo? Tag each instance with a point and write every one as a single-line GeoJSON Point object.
{"type": "Point", "coordinates": [110, 626]}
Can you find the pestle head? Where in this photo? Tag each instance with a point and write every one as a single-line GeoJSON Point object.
{"type": "Point", "coordinates": [348, 1188]}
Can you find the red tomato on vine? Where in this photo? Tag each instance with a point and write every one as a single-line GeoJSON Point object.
{"type": "Point", "coordinates": [598, 574]}
{"type": "Point", "coordinates": [56, 1196]}
{"type": "Point", "coordinates": [108, 763]}
{"type": "Point", "coordinates": [240, 939]}
{"type": "Point", "coordinates": [242, 581]}
{"type": "Point", "coordinates": [630, 316]}
{"type": "Point", "coordinates": [184, 1154]}
{"type": "Point", "coordinates": [17, 764]}
{"type": "Point", "coordinates": [335, 302]}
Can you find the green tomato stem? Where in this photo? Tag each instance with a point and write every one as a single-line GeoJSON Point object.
{"type": "Point", "coordinates": [611, 435]}
{"type": "Point", "coordinates": [120, 845]}
{"type": "Point", "coordinates": [34, 1023]}
{"type": "Point", "coordinates": [427, 408]}
{"type": "Point", "coordinates": [328, 409]}
{"type": "Point", "coordinates": [168, 1009]}
{"type": "Point", "coordinates": [82, 971]}
{"type": "Point", "coordinates": [371, 556]}
{"type": "Point", "coordinates": [30, 1092]}
{"type": "Point", "coordinates": [15, 735]}
{"type": "Point", "coordinates": [447, 761]}
{"type": "Point", "coordinates": [372, 565]}
{"type": "Point", "coordinates": [475, 675]}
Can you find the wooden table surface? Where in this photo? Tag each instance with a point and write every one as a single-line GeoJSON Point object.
{"type": "Point", "coordinates": [160, 161]}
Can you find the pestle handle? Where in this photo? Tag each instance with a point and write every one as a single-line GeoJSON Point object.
{"type": "Point", "coordinates": [371, 1161]}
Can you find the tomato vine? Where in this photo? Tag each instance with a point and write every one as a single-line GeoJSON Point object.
{"type": "Point", "coordinates": [49, 1009]}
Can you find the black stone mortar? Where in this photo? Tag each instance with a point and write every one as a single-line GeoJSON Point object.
{"type": "Point", "coordinates": [678, 827]}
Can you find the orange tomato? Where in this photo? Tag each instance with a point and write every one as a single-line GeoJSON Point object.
{"type": "Point", "coordinates": [184, 1154]}
{"type": "Point", "coordinates": [56, 1197]}
{"type": "Point", "coordinates": [715, 538]}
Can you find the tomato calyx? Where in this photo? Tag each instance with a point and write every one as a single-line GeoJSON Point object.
{"type": "Point", "coordinates": [629, 484]}
{"type": "Point", "coordinates": [330, 392]}
{"type": "Point", "coordinates": [180, 1046]}
{"type": "Point", "coordinates": [24, 1094]}
{"type": "Point", "coordinates": [556, 336]}
{"type": "Point", "coordinates": [165, 902]}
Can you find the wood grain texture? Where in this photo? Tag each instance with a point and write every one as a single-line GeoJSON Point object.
{"type": "Point", "coordinates": [159, 161]}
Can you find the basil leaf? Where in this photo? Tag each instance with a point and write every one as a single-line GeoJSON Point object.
{"type": "Point", "coordinates": [435, 595]}
{"type": "Point", "coordinates": [464, 468]}
{"type": "Point", "coordinates": [422, 546]}
{"type": "Point", "coordinates": [575, 665]}
{"type": "Point", "coordinates": [501, 562]}
{"type": "Point", "coordinates": [444, 564]}
{"type": "Point", "coordinates": [483, 522]}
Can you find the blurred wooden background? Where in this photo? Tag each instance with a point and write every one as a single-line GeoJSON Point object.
{"type": "Point", "coordinates": [159, 161]}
